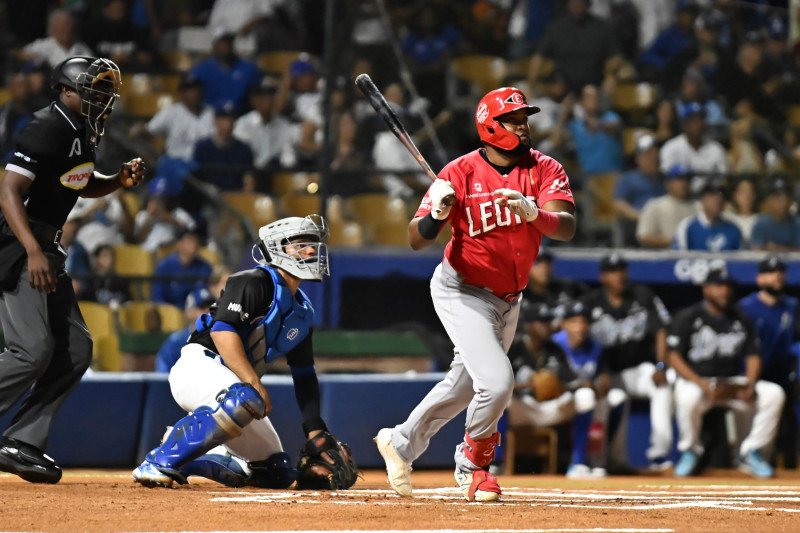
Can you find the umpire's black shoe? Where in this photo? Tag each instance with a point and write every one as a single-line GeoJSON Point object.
{"type": "Point", "coordinates": [27, 461]}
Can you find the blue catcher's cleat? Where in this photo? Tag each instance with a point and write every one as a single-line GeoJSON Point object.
{"type": "Point", "coordinates": [217, 467]}
{"type": "Point", "coordinates": [687, 464]}
{"type": "Point", "coordinates": [754, 464]}
{"type": "Point", "coordinates": [149, 475]}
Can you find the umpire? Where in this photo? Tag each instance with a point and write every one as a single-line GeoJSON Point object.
{"type": "Point", "coordinates": [48, 346]}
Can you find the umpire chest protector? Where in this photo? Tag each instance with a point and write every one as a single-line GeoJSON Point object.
{"type": "Point", "coordinates": [286, 323]}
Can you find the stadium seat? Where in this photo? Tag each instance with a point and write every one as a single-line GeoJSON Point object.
{"type": "Point", "coordinates": [277, 62]}
{"type": "Point", "coordinates": [258, 208]}
{"type": "Point", "coordinates": [521, 66]}
{"type": "Point", "coordinates": [131, 202]}
{"type": "Point", "coordinates": [373, 208]}
{"type": "Point", "coordinates": [346, 234]}
{"type": "Point", "coordinates": [484, 72]}
{"type": "Point", "coordinates": [133, 316]}
{"type": "Point", "coordinates": [289, 182]}
{"type": "Point", "coordinates": [629, 137]}
{"type": "Point", "coordinates": [634, 97]}
{"type": "Point", "coordinates": [132, 260]}
{"type": "Point", "coordinates": [100, 320]}
{"type": "Point", "coordinates": [391, 233]}
{"type": "Point", "coordinates": [178, 60]}
{"type": "Point", "coordinates": [212, 256]}
{"type": "Point", "coordinates": [300, 204]}
{"type": "Point", "coordinates": [794, 115]}
{"type": "Point", "coordinates": [601, 190]}
{"type": "Point", "coordinates": [4, 95]}
{"type": "Point", "coordinates": [530, 440]}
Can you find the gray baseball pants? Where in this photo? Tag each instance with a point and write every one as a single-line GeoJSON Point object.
{"type": "Point", "coordinates": [480, 379]}
{"type": "Point", "coordinates": [47, 350]}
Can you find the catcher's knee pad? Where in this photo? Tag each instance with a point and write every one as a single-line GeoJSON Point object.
{"type": "Point", "coordinates": [585, 400]}
{"type": "Point", "coordinates": [205, 428]}
{"type": "Point", "coordinates": [275, 472]}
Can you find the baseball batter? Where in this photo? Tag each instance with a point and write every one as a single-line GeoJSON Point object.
{"type": "Point", "coordinates": [500, 200]}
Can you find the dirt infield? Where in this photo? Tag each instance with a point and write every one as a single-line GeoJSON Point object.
{"type": "Point", "coordinates": [98, 501]}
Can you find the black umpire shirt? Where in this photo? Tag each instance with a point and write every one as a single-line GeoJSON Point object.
{"type": "Point", "coordinates": [627, 332]}
{"type": "Point", "coordinates": [714, 346]}
{"type": "Point", "coordinates": [57, 153]}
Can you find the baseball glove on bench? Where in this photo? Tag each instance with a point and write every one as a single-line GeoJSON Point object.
{"type": "Point", "coordinates": [326, 464]}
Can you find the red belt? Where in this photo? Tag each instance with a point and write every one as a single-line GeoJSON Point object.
{"type": "Point", "coordinates": [509, 297]}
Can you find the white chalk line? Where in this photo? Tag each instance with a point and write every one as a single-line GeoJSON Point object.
{"type": "Point", "coordinates": [537, 530]}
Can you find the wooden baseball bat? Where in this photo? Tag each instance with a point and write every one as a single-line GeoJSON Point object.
{"type": "Point", "coordinates": [378, 102]}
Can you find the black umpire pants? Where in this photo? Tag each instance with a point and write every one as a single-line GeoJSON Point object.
{"type": "Point", "coordinates": [48, 349]}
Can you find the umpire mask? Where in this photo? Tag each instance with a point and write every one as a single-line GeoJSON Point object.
{"type": "Point", "coordinates": [98, 88]}
{"type": "Point", "coordinates": [296, 245]}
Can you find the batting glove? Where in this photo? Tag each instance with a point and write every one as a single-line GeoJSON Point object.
{"type": "Point", "coordinates": [442, 196]}
{"type": "Point", "coordinates": [519, 204]}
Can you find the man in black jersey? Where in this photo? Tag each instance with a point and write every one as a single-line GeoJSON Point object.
{"type": "Point", "coordinates": [630, 322]}
{"type": "Point", "coordinates": [48, 347]}
{"type": "Point", "coordinates": [714, 348]}
{"type": "Point", "coordinates": [543, 286]}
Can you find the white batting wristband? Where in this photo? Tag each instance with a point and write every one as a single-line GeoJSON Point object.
{"type": "Point", "coordinates": [518, 203]}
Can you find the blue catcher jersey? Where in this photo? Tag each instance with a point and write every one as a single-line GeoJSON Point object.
{"type": "Point", "coordinates": [775, 326]}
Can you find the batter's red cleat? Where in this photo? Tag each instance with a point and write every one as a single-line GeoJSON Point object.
{"type": "Point", "coordinates": [478, 486]}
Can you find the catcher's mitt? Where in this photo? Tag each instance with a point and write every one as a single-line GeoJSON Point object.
{"type": "Point", "coordinates": [326, 464]}
{"type": "Point", "coordinates": [546, 385]}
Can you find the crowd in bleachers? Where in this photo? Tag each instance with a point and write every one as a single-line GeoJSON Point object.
{"type": "Point", "coordinates": [676, 119]}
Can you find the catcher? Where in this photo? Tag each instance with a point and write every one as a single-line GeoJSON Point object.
{"type": "Point", "coordinates": [260, 316]}
{"type": "Point", "coordinates": [555, 376]}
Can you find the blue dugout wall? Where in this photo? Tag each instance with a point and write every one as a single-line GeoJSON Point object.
{"type": "Point", "coordinates": [113, 419]}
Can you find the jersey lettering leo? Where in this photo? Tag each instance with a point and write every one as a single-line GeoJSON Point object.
{"type": "Point", "coordinates": [491, 247]}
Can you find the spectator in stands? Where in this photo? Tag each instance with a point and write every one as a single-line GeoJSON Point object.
{"type": "Point", "coordinates": [774, 315]}
{"type": "Point", "coordinates": [777, 50]}
{"type": "Point", "coordinates": [78, 265]}
{"type": "Point", "coordinates": [112, 34]}
{"type": "Point", "coordinates": [185, 262]}
{"type": "Point", "coordinates": [15, 113]}
{"type": "Point", "coordinates": [707, 30]}
{"type": "Point", "coordinates": [299, 98]}
{"type": "Point", "coordinates": [744, 156]}
{"type": "Point", "coordinates": [660, 216]}
{"type": "Point", "coordinates": [533, 353]}
{"type": "Point", "coordinates": [582, 46]}
{"type": "Point", "coordinates": [222, 160]}
{"type": "Point", "coordinates": [742, 208]}
{"type": "Point", "coordinates": [527, 22]}
{"type": "Point", "coordinates": [654, 17]}
{"type": "Point", "coordinates": [667, 124]}
{"type": "Point", "coordinates": [545, 287]}
{"type": "Point", "coordinates": [184, 122]}
{"type": "Point", "coordinates": [668, 53]}
{"type": "Point", "coordinates": [162, 220]}
{"type": "Point", "coordinates": [709, 229]}
{"type": "Point", "coordinates": [431, 40]}
{"type": "Point", "coordinates": [595, 133]}
{"type": "Point", "coordinates": [694, 88]}
{"type": "Point", "coordinates": [637, 187]}
{"type": "Point", "coordinates": [275, 24]}
{"type": "Point", "coordinates": [551, 97]}
{"type": "Point", "coordinates": [104, 221]}
{"type": "Point", "coordinates": [692, 148]}
{"type": "Point", "coordinates": [777, 230]}
{"type": "Point", "coordinates": [104, 285]}
{"type": "Point", "coordinates": [59, 44]}
{"type": "Point", "coordinates": [225, 77]}
{"type": "Point", "coordinates": [631, 324]}
{"type": "Point", "coordinates": [198, 302]}
{"type": "Point", "coordinates": [269, 135]}
{"type": "Point", "coordinates": [745, 76]}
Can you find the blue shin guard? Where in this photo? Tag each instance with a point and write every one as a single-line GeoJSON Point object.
{"type": "Point", "coordinates": [217, 467]}
{"type": "Point", "coordinates": [206, 428]}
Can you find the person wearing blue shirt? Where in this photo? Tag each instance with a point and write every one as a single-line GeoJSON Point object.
{"type": "Point", "coordinates": [777, 230]}
{"type": "Point", "coordinates": [774, 315]}
{"type": "Point", "coordinates": [225, 76]}
{"type": "Point", "coordinates": [183, 262]}
{"type": "Point", "coordinates": [596, 135]}
{"type": "Point", "coordinates": [221, 159]}
{"type": "Point", "coordinates": [636, 187]}
{"type": "Point", "coordinates": [708, 230]}
{"type": "Point", "coordinates": [583, 355]}
{"type": "Point", "coordinates": [673, 41]}
{"type": "Point", "coordinates": [198, 302]}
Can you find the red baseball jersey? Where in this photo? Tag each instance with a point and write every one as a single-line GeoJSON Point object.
{"type": "Point", "coordinates": [492, 247]}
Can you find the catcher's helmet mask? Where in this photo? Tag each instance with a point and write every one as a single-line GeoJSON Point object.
{"type": "Point", "coordinates": [299, 232]}
{"type": "Point", "coordinates": [97, 82]}
{"type": "Point", "coordinates": [491, 109]}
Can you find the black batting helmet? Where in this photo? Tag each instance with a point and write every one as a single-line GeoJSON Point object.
{"type": "Point", "coordinates": [96, 80]}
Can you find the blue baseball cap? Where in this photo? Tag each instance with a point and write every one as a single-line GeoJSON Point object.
{"type": "Point", "coordinates": [301, 65]}
{"type": "Point", "coordinates": [690, 109]}
{"type": "Point", "coordinates": [677, 172]}
{"type": "Point", "coordinates": [162, 186]}
{"type": "Point", "coordinates": [199, 299]}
